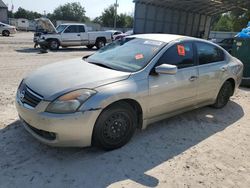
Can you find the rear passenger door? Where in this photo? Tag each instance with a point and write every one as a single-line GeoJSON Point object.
{"type": "Point", "coordinates": [71, 36]}
{"type": "Point", "coordinates": [212, 68]}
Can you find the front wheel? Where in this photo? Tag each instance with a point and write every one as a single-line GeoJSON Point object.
{"type": "Point", "coordinates": [54, 45]}
{"type": "Point", "coordinates": [6, 33]}
{"type": "Point", "coordinates": [224, 95]}
{"type": "Point", "coordinates": [114, 127]}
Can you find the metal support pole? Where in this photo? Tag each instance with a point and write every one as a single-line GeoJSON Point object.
{"type": "Point", "coordinates": [115, 20]}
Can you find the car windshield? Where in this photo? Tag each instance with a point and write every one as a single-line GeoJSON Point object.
{"type": "Point", "coordinates": [60, 28]}
{"type": "Point", "coordinates": [128, 54]}
{"type": "Point", "coordinates": [3, 24]}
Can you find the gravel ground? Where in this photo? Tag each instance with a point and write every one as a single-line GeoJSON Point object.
{"type": "Point", "coordinates": [202, 148]}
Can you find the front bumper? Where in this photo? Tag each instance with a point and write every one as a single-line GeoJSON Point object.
{"type": "Point", "coordinates": [12, 32]}
{"type": "Point", "coordinates": [70, 130]}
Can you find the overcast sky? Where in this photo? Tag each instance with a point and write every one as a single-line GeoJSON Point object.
{"type": "Point", "coordinates": [93, 8]}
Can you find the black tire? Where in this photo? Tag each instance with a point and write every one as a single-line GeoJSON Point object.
{"type": "Point", "coordinates": [54, 44]}
{"type": "Point", "coordinates": [100, 43]}
{"type": "Point", "coordinates": [6, 33]}
{"type": "Point", "coordinates": [224, 95]}
{"type": "Point", "coordinates": [114, 127]}
{"type": "Point", "coordinates": [90, 46]}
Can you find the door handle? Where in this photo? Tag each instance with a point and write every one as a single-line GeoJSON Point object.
{"type": "Point", "coordinates": [79, 35]}
{"type": "Point", "coordinates": [223, 69]}
{"type": "Point", "coordinates": [193, 78]}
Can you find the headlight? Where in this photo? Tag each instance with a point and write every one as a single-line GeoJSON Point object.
{"type": "Point", "coordinates": [70, 102]}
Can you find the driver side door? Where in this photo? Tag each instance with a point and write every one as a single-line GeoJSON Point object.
{"type": "Point", "coordinates": [71, 36]}
{"type": "Point", "coordinates": [169, 93]}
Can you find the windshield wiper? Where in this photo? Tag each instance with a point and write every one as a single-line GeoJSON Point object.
{"type": "Point", "coordinates": [102, 65]}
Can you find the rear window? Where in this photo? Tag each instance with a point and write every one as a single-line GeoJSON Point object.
{"type": "Point", "coordinates": [208, 53]}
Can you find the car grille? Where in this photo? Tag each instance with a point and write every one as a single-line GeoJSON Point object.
{"type": "Point", "coordinates": [28, 96]}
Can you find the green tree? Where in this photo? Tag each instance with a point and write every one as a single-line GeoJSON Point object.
{"type": "Point", "coordinates": [234, 20]}
{"type": "Point", "coordinates": [70, 11]}
{"type": "Point", "coordinates": [225, 23]}
{"type": "Point", "coordinates": [22, 13]}
{"type": "Point", "coordinates": [240, 19]}
{"type": "Point", "coordinates": [129, 21]}
{"type": "Point", "coordinates": [108, 15]}
{"type": "Point", "coordinates": [10, 14]}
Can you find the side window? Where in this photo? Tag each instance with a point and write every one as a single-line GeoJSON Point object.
{"type": "Point", "coordinates": [71, 29]}
{"type": "Point", "coordinates": [81, 29]}
{"type": "Point", "coordinates": [181, 55]}
{"type": "Point", "coordinates": [208, 53]}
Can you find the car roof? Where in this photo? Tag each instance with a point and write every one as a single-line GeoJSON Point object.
{"type": "Point", "coordinates": [167, 38]}
{"type": "Point", "coordinates": [72, 24]}
{"type": "Point", "coordinates": [160, 37]}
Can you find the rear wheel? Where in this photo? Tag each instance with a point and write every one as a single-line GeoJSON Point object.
{"type": "Point", "coordinates": [90, 46]}
{"type": "Point", "coordinates": [6, 33]}
{"type": "Point", "coordinates": [54, 44]}
{"type": "Point", "coordinates": [115, 126]}
{"type": "Point", "coordinates": [100, 43]}
{"type": "Point", "coordinates": [224, 95]}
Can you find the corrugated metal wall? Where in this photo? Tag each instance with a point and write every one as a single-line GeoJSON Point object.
{"type": "Point", "coordinates": [3, 15]}
{"type": "Point", "coordinates": [155, 19]}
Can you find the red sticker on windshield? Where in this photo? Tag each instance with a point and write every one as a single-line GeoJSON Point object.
{"type": "Point", "coordinates": [181, 50]}
{"type": "Point", "coordinates": [139, 56]}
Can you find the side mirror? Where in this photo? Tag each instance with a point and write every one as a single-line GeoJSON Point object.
{"type": "Point", "coordinates": [166, 69]}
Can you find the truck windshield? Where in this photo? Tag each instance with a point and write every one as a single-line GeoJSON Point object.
{"type": "Point", "coordinates": [61, 28]}
{"type": "Point", "coordinates": [128, 54]}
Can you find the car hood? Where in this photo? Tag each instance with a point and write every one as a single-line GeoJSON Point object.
{"type": "Point", "coordinates": [46, 25]}
{"type": "Point", "coordinates": [9, 27]}
{"type": "Point", "coordinates": [58, 78]}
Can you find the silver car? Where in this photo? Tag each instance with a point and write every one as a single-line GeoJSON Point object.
{"type": "Point", "coordinates": [102, 99]}
{"type": "Point", "coordinates": [6, 29]}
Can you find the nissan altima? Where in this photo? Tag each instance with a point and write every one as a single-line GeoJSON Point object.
{"type": "Point", "coordinates": [102, 99]}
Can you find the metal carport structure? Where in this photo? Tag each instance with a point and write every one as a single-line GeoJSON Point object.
{"type": "Point", "coordinates": [185, 17]}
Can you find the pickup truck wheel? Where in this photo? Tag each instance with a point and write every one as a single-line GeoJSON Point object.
{"type": "Point", "coordinates": [6, 33]}
{"type": "Point", "coordinates": [90, 46]}
{"type": "Point", "coordinates": [54, 45]}
{"type": "Point", "coordinates": [100, 43]}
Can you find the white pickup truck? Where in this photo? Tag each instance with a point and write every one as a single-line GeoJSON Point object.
{"type": "Point", "coordinates": [71, 34]}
